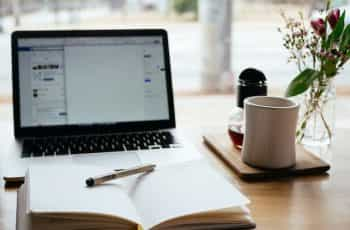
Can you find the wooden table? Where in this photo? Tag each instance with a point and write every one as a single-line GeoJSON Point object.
{"type": "Point", "coordinates": [313, 202]}
{"type": "Point", "coordinates": [309, 202]}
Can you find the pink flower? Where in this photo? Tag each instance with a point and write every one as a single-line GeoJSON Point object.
{"type": "Point", "coordinates": [333, 17]}
{"type": "Point", "coordinates": [319, 26]}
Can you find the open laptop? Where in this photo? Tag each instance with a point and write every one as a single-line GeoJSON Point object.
{"type": "Point", "coordinates": [95, 97]}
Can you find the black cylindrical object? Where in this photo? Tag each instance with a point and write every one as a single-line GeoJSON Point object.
{"type": "Point", "coordinates": [252, 82]}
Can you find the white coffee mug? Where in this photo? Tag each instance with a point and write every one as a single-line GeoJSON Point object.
{"type": "Point", "coordinates": [270, 126]}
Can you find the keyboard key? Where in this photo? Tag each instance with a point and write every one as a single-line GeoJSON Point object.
{"type": "Point", "coordinates": [37, 154]}
{"type": "Point", "coordinates": [49, 153]}
{"type": "Point", "coordinates": [27, 154]}
{"type": "Point", "coordinates": [131, 147]}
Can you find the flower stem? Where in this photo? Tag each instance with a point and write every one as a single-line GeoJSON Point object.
{"type": "Point", "coordinates": [314, 105]}
{"type": "Point", "coordinates": [326, 124]}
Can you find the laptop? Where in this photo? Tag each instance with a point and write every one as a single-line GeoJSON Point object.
{"type": "Point", "coordinates": [93, 97]}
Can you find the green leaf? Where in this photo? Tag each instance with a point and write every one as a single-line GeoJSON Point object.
{"type": "Point", "coordinates": [337, 31]}
{"type": "Point", "coordinates": [330, 68]}
{"type": "Point", "coordinates": [345, 39]}
{"type": "Point", "coordinates": [302, 82]}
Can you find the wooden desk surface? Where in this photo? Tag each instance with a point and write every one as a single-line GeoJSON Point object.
{"type": "Point", "coordinates": [311, 202]}
{"type": "Point", "coordinates": [314, 202]}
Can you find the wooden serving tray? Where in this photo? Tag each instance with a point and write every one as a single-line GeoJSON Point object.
{"type": "Point", "coordinates": [306, 162]}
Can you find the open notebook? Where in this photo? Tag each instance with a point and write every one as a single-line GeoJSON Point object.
{"type": "Point", "coordinates": [184, 196]}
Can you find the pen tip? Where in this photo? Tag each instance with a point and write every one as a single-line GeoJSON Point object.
{"type": "Point", "coordinates": [90, 182]}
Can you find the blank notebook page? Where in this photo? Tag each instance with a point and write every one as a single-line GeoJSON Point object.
{"type": "Point", "coordinates": [63, 189]}
{"type": "Point", "coordinates": [181, 189]}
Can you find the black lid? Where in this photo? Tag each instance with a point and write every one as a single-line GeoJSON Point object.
{"type": "Point", "coordinates": [251, 83]}
{"type": "Point", "coordinates": [252, 75]}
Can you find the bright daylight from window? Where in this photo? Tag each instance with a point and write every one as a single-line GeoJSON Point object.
{"type": "Point", "coordinates": [194, 50]}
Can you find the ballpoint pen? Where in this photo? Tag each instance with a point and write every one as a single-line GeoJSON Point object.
{"type": "Point", "coordinates": [91, 181]}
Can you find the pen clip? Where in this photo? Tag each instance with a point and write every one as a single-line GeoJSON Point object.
{"type": "Point", "coordinates": [118, 170]}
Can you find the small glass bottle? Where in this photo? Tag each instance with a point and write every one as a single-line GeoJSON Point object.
{"type": "Point", "coordinates": [252, 82]}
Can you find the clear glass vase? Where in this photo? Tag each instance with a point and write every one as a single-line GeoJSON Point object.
{"type": "Point", "coordinates": [317, 114]}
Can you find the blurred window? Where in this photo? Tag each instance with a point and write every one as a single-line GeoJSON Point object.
{"type": "Point", "coordinates": [255, 40]}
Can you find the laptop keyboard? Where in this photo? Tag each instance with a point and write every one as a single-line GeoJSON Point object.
{"type": "Point", "coordinates": [51, 146]}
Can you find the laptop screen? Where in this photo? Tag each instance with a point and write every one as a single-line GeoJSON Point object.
{"type": "Point", "coordinates": [91, 80]}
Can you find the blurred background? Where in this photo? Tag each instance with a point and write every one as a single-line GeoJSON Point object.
{"type": "Point", "coordinates": [210, 41]}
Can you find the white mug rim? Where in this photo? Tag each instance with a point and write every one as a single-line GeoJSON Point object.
{"type": "Point", "coordinates": [249, 101]}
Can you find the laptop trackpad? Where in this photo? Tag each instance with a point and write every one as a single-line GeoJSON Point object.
{"type": "Point", "coordinates": [168, 156]}
{"type": "Point", "coordinates": [108, 160]}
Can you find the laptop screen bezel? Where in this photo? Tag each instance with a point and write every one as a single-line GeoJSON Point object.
{"type": "Point", "coordinates": [63, 130]}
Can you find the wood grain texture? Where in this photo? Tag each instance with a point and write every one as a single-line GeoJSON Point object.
{"type": "Point", "coordinates": [298, 203]}
{"type": "Point", "coordinates": [306, 162]}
